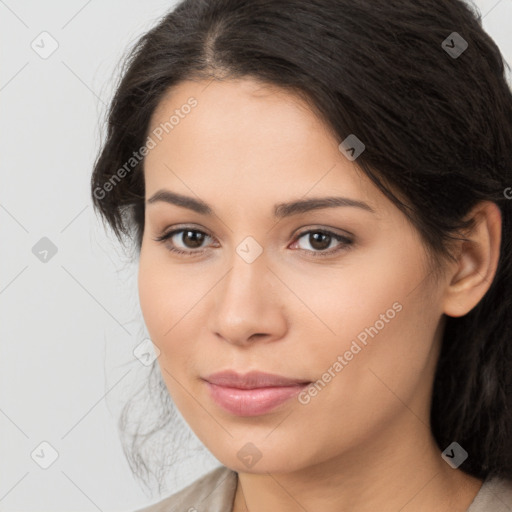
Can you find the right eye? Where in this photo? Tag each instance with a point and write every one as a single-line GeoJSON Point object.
{"type": "Point", "coordinates": [189, 237]}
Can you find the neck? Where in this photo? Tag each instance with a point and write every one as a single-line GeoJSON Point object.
{"type": "Point", "coordinates": [395, 471]}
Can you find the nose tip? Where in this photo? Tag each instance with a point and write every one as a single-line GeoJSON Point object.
{"type": "Point", "coordinates": [245, 311]}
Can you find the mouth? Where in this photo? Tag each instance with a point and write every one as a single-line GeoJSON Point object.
{"type": "Point", "coordinates": [252, 394]}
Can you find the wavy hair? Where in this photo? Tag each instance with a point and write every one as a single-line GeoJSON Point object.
{"type": "Point", "coordinates": [438, 133]}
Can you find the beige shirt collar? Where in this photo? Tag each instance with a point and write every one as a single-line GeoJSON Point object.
{"type": "Point", "coordinates": [215, 492]}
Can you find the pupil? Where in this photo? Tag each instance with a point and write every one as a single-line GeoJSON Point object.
{"type": "Point", "coordinates": [196, 237]}
{"type": "Point", "coordinates": [315, 237]}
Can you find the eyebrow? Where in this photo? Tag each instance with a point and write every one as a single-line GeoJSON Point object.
{"type": "Point", "coordinates": [281, 210]}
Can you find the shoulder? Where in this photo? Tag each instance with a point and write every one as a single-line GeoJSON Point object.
{"type": "Point", "coordinates": [495, 495]}
{"type": "Point", "coordinates": [214, 492]}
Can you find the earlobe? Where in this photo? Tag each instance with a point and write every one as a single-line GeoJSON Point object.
{"type": "Point", "coordinates": [477, 261]}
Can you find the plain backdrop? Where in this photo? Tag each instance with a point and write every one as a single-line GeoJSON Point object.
{"type": "Point", "coordinates": [70, 318]}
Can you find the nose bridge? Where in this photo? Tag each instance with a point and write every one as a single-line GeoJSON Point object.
{"type": "Point", "coordinates": [247, 277]}
{"type": "Point", "coordinates": [248, 260]}
{"type": "Point", "coordinates": [245, 302]}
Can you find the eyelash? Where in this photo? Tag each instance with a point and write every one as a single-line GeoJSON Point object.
{"type": "Point", "coordinates": [345, 242]}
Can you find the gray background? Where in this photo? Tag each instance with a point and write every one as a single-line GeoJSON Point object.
{"type": "Point", "coordinates": [69, 324]}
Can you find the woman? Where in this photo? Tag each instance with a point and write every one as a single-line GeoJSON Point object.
{"type": "Point", "coordinates": [317, 192]}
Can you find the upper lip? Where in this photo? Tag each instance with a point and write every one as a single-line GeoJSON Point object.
{"type": "Point", "coordinates": [251, 380]}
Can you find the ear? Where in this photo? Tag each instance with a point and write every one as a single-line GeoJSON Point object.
{"type": "Point", "coordinates": [471, 275]}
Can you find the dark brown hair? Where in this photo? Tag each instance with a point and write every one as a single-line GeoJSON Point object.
{"type": "Point", "coordinates": [437, 127]}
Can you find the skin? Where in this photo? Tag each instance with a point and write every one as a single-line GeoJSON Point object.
{"type": "Point", "coordinates": [244, 148]}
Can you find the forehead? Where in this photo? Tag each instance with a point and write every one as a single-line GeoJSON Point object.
{"type": "Point", "coordinates": [229, 96]}
{"type": "Point", "coordinates": [218, 136]}
{"type": "Point", "coordinates": [241, 110]}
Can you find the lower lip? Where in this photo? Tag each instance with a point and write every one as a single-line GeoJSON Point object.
{"type": "Point", "coordinates": [252, 402]}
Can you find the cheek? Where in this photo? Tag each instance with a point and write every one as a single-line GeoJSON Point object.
{"type": "Point", "coordinates": [164, 293]}
{"type": "Point", "coordinates": [170, 303]}
{"type": "Point", "coordinates": [150, 296]}
{"type": "Point", "coordinates": [340, 302]}
{"type": "Point", "coordinates": [161, 302]}
{"type": "Point", "coordinates": [380, 317]}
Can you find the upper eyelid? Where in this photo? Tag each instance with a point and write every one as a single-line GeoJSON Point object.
{"type": "Point", "coordinates": [178, 228]}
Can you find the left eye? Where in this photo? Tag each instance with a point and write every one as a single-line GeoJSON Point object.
{"type": "Point", "coordinates": [320, 240]}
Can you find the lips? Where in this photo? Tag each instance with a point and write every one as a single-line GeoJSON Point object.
{"type": "Point", "coordinates": [253, 393]}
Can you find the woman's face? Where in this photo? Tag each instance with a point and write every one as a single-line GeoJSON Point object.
{"type": "Point", "coordinates": [262, 287]}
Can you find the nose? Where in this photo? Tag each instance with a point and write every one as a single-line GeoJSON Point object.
{"type": "Point", "coordinates": [248, 304]}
